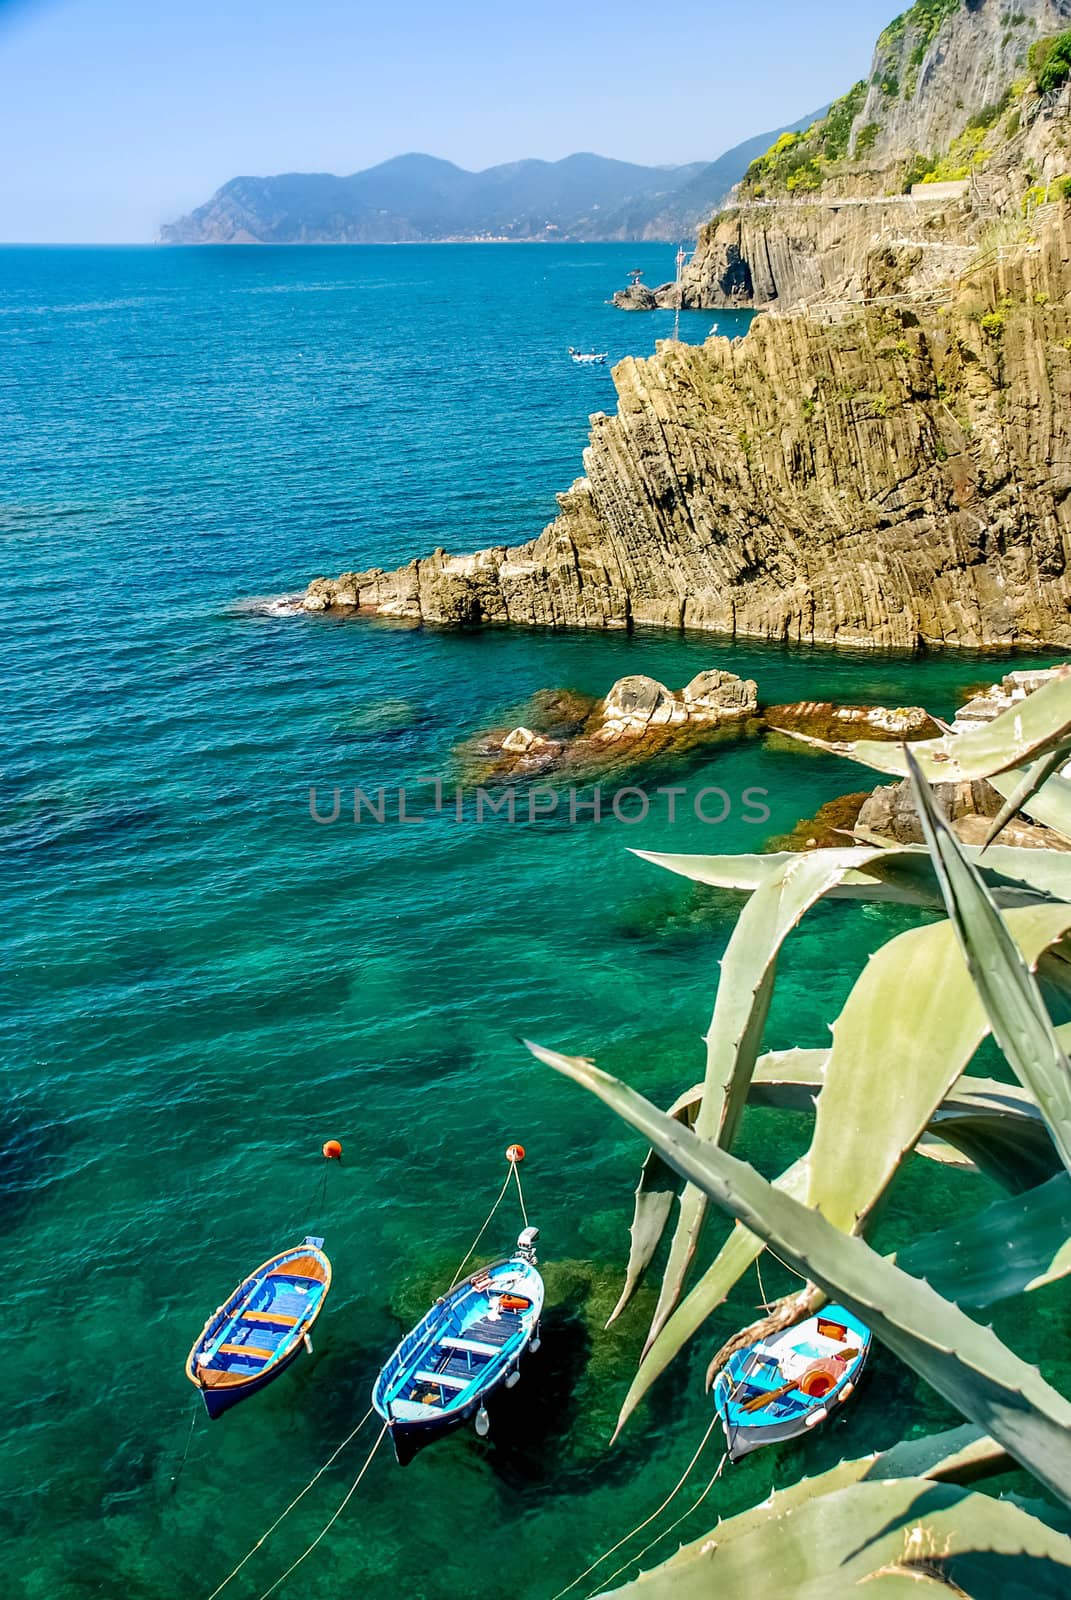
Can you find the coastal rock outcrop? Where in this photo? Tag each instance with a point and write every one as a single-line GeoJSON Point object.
{"type": "Point", "coordinates": [890, 812]}
{"type": "Point", "coordinates": [638, 718]}
{"type": "Point", "coordinates": [896, 478]}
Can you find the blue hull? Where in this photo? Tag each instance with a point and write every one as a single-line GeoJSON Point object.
{"type": "Point", "coordinates": [217, 1401]}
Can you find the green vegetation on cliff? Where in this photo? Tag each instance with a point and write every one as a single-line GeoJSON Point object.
{"type": "Point", "coordinates": [800, 161]}
{"type": "Point", "coordinates": [1050, 61]}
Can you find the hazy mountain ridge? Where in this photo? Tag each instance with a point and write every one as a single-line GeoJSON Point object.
{"type": "Point", "coordinates": [418, 198]}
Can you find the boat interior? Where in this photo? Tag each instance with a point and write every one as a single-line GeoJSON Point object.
{"type": "Point", "coordinates": [459, 1350]}
{"type": "Point", "coordinates": [263, 1319]}
{"type": "Point", "coordinates": [774, 1368]}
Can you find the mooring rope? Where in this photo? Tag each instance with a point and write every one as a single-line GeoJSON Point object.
{"type": "Point", "coordinates": [646, 1523]}
{"type": "Point", "coordinates": [487, 1223]}
{"type": "Point", "coordinates": [282, 1515]}
{"type": "Point", "coordinates": [636, 1559]}
{"type": "Point", "coordinates": [520, 1192]}
{"type": "Point", "coordinates": [326, 1529]}
{"type": "Point", "coordinates": [189, 1437]}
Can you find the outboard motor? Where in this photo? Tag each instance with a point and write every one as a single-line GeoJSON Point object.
{"type": "Point", "coordinates": [526, 1245]}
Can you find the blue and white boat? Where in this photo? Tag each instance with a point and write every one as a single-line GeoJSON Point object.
{"type": "Point", "coordinates": [469, 1344]}
{"type": "Point", "coordinates": [781, 1387]}
{"type": "Point", "coordinates": [259, 1330]}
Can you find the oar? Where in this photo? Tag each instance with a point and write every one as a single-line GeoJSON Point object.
{"type": "Point", "coordinates": [767, 1398]}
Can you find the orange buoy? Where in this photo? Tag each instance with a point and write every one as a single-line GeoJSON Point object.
{"type": "Point", "coordinates": [332, 1150]}
{"type": "Point", "coordinates": [515, 1153]}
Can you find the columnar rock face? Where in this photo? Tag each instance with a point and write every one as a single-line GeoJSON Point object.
{"type": "Point", "coordinates": [894, 479]}
{"type": "Point", "coordinates": [786, 256]}
{"type": "Point", "coordinates": [923, 91]}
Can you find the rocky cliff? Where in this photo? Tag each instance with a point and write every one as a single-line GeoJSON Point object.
{"type": "Point", "coordinates": [951, 131]}
{"type": "Point", "coordinates": [898, 477]}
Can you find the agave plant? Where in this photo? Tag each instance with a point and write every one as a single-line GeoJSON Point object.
{"type": "Point", "coordinates": [893, 1083]}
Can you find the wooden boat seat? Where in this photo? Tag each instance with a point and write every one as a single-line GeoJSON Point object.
{"type": "Point", "coordinates": [253, 1350]}
{"type": "Point", "coordinates": [443, 1378]}
{"type": "Point", "coordinates": [476, 1347]}
{"type": "Point", "coordinates": [495, 1333]}
{"type": "Point", "coordinates": [270, 1316]}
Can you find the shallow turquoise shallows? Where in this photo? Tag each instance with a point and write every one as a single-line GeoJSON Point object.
{"type": "Point", "coordinates": [201, 983]}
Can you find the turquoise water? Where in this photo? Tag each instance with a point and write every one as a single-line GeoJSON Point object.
{"type": "Point", "coordinates": [201, 983]}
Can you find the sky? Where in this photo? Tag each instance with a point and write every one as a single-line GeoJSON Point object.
{"type": "Point", "coordinates": [117, 115]}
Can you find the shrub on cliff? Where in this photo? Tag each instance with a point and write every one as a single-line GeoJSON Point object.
{"type": "Point", "coordinates": [1050, 61]}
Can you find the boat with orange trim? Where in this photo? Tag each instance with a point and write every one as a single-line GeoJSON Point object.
{"type": "Point", "coordinates": [261, 1328]}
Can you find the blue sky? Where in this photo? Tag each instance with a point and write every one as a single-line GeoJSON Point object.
{"type": "Point", "coordinates": [116, 115]}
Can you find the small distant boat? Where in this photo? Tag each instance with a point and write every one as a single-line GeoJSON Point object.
{"type": "Point", "coordinates": [469, 1344]}
{"type": "Point", "coordinates": [777, 1389]}
{"type": "Point", "coordinates": [589, 358]}
{"type": "Point", "coordinates": [255, 1335]}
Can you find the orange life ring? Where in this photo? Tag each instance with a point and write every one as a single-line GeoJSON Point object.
{"type": "Point", "coordinates": [820, 1377]}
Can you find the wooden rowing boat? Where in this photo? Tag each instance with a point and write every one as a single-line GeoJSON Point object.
{"type": "Point", "coordinates": [260, 1329]}
{"type": "Point", "coordinates": [779, 1388]}
{"type": "Point", "coordinates": [468, 1345]}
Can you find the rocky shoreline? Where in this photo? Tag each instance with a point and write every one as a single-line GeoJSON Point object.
{"type": "Point", "coordinates": [569, 735]}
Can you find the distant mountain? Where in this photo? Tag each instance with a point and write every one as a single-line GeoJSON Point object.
{"type": "Point", "coordinates": [420, 199]}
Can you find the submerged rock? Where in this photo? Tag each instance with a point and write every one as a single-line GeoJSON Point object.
{"type": "Point", "coordinates": [821, 719]}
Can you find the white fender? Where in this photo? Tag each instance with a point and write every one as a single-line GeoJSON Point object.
{"type": "Point", "coordinates": [815, 1418]}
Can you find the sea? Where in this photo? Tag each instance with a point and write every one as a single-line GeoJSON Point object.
{"type": "Point", "coordinates": [204, 976]}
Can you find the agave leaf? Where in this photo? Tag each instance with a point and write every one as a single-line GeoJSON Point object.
{"type": "Point", "coordinates": [740, 1011]}
{"type": "Point", "coordinates": [893, 1073]}
{"type": "Point", "coordinates": [1007, 987]}
{"type": "Point", "coordinates": [1050, 803]}
{"type": "Point", "coordinates": [999, 1128]}
{"type": "Point", "coordinates": [738, 1252]}
{"type": "Point", "coordinates": [993, 1126]}
{"type": "Point", "coordinates": [656, 1191]}
{"type": "Point", "coordinates": [892, 1064]}
{"type": "Point", "coordinates": [897, 874]}
{"type": "Point", "coordinates": [961, 1359]}
{"type": "Point", "coordinates": [958, 1455]}
{"type": "Point", "coordinates": [860, 1538]}
{"type": "Point", "coordinates": [1024, 789]}
{"type": "Point", "coordinates": [1015, 1244]}
{"type": "Point", "coordinates": [1025, 731]}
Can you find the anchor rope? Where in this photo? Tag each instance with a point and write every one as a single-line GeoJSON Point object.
{"type": "Point", "coordinates": [646, 1523]}
{"type": "Point", "coordinates": [189, 1438]}
{"type": "Point", "coordinates": [487, 1223]}
{"type": "Point", "coordinates": [352, 1435]}
{"type": "Point", "coordinates": [636, 1559]}
{"type": "Point", "coordinates": [283, 1514]}
{"type": "Point", "coordinates": [329, 1524]}
{"type": "Point", "coordinates": [520, 1192]}
{"type": "Point", "coordinates": [762, 1286]}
